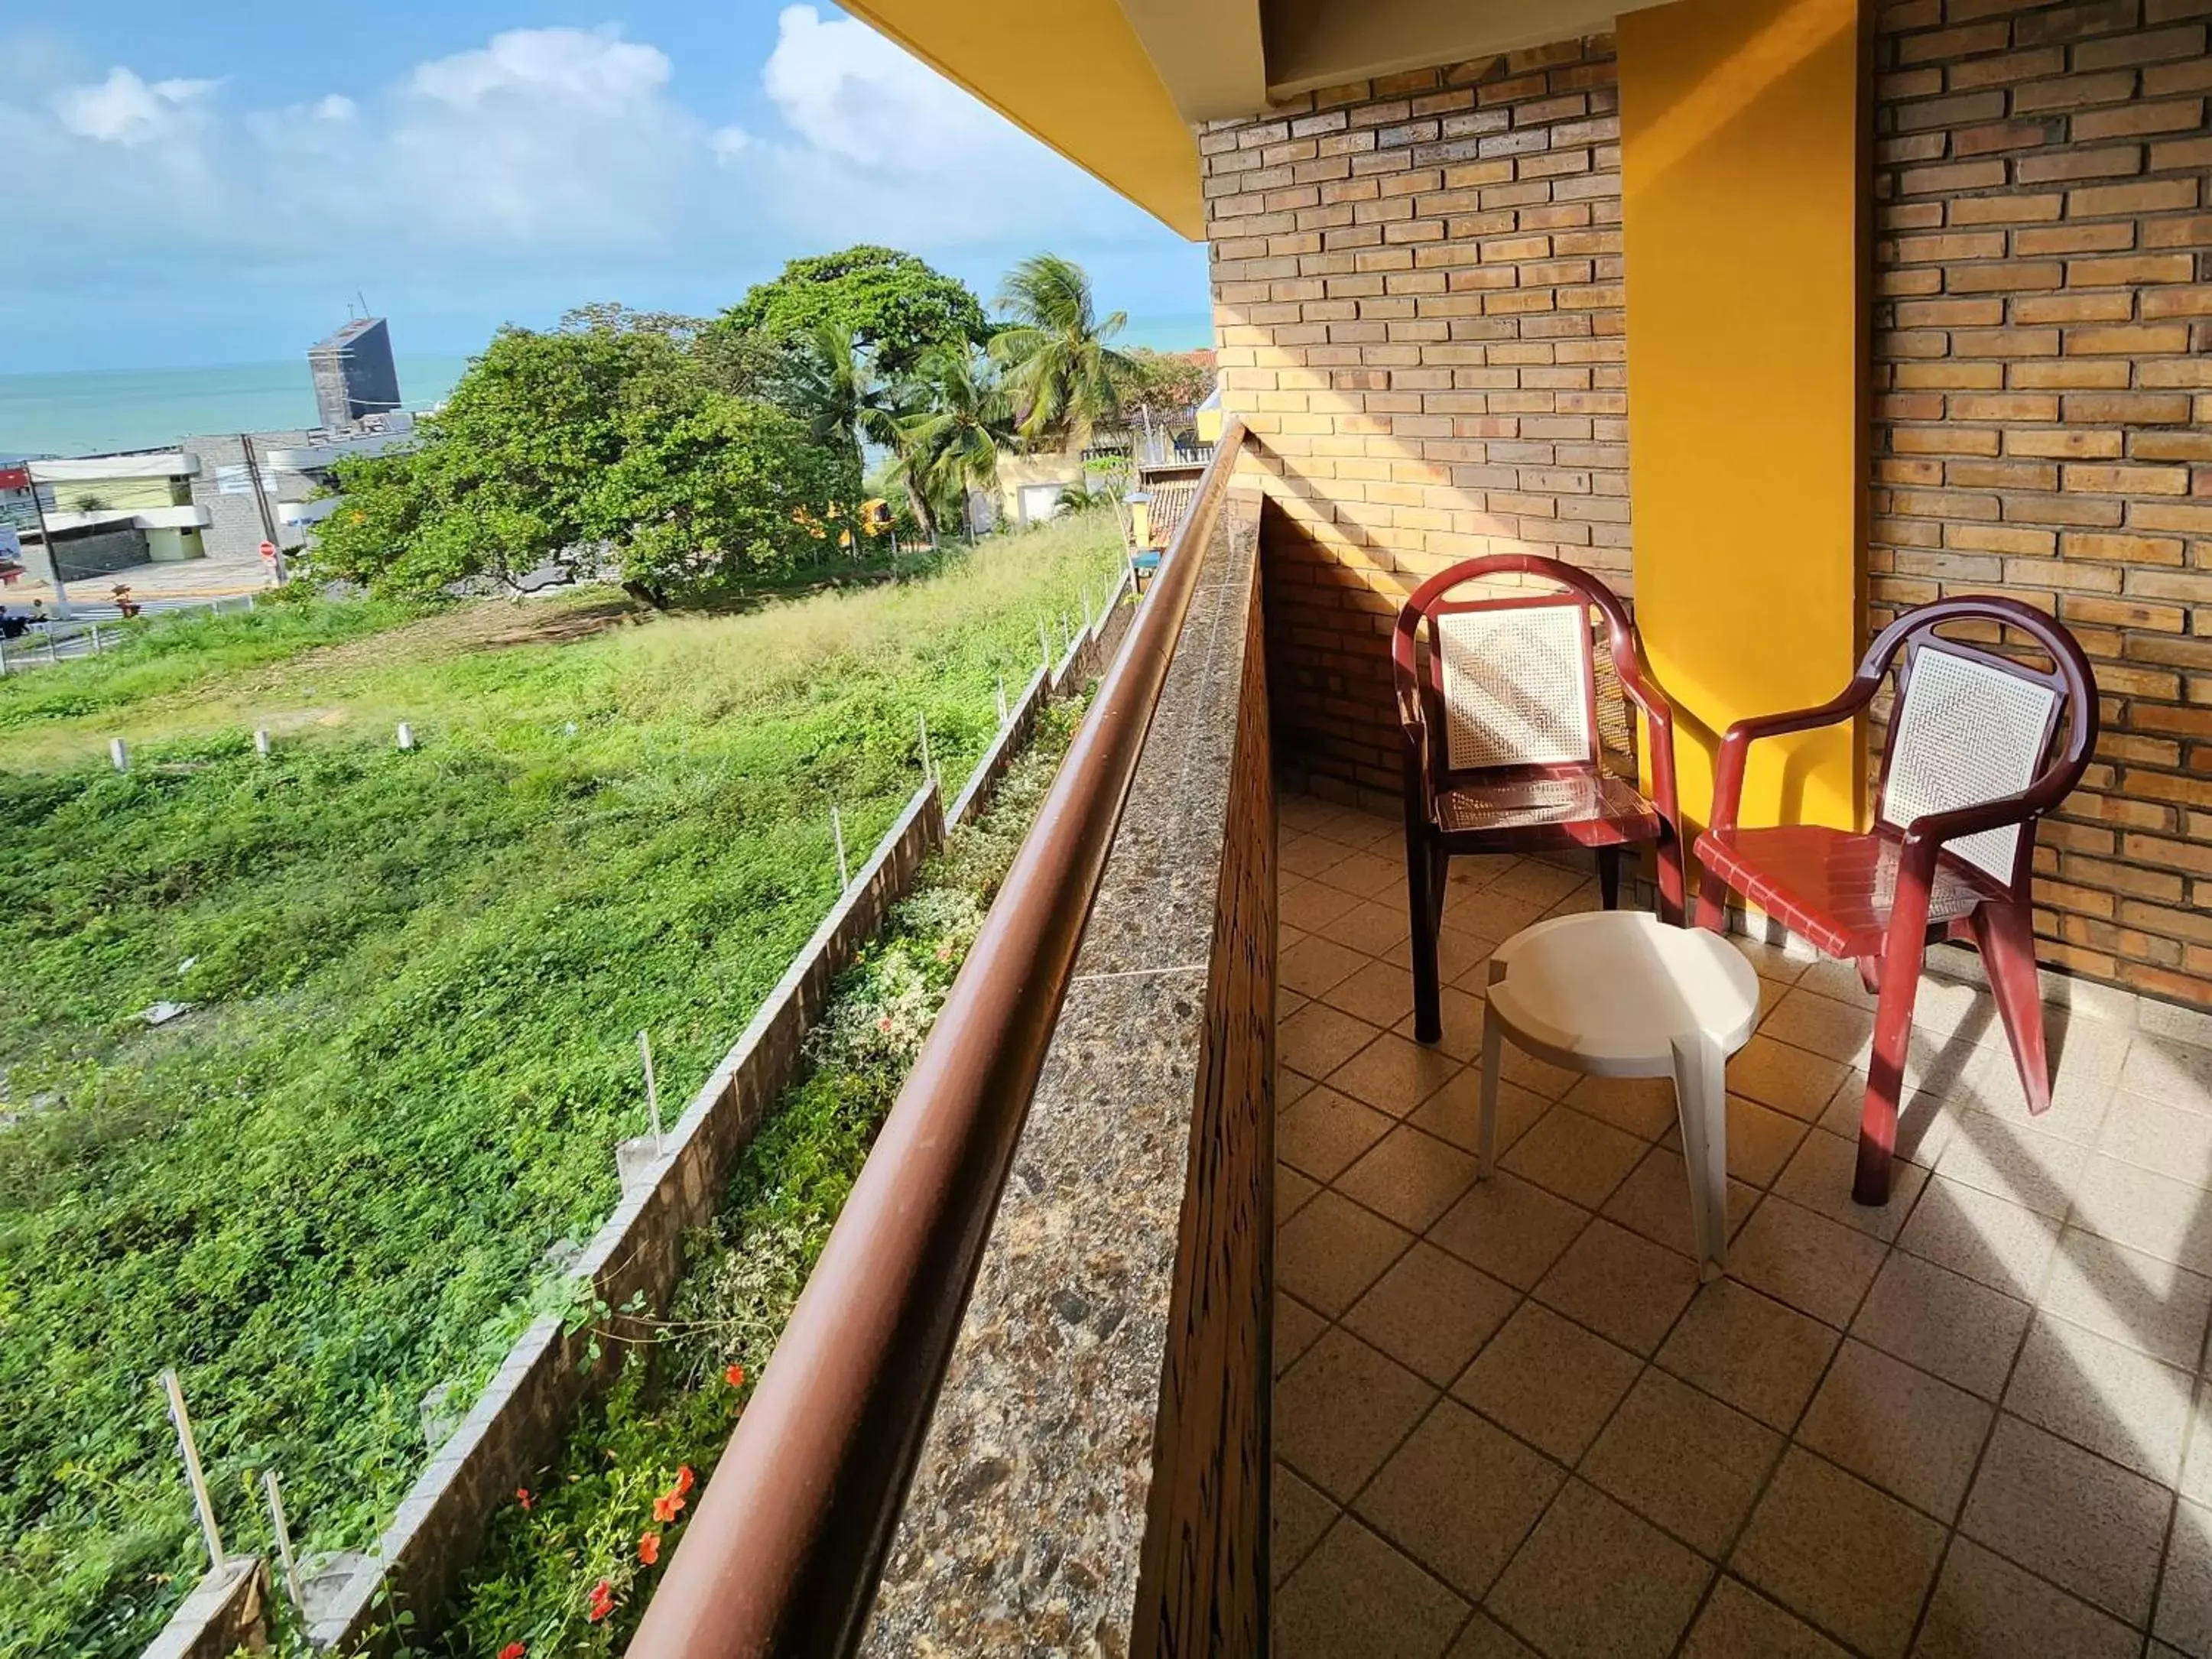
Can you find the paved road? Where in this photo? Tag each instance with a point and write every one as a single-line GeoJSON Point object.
{"type": "Point", "coordinates": [89, 630]}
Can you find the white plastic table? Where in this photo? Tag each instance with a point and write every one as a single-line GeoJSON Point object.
{"type": "Point", "coordinates": [1621, 993]}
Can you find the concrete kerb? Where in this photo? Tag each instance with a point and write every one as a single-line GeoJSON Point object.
{"type": "Point", "coordinates": [516, 1420]}
{"type": "Point", "coordinates": [224, 1613]}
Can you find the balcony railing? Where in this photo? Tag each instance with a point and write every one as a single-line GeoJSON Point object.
{"type": "Point", "coordinates": [784, 1553]}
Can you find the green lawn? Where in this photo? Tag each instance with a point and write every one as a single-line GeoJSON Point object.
{"type": "Point", "coordinates": [416, 980]}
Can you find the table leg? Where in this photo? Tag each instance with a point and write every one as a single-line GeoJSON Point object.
{"type": "Point", "coordinates": [1701, 1098]}
{"type": "Point", "coordinates": [1491, 1043]}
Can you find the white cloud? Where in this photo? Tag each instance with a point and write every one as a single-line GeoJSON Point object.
{"type": "Point", "coordinates": [850, 93]}
{"type": "Point", "coordinates": [594, 69]}
{"type": "Point", "coordinates": [123, 109]}
{"type": "Point", "coordinates": [544, 159]}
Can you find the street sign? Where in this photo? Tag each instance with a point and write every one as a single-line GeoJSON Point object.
{"type": "Point", "coordinates": [14, 478]}
{"type": "Point", "coordinates": [269, 551]}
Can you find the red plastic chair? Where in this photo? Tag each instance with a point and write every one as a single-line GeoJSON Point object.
{"type": "Point", "coordinates": [1503, 741]}
{"type": "Point", "coordinates": [1972, 761]}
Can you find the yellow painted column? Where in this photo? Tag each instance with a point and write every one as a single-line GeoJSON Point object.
{"type": "Point", "coordinates": [1744, 165]}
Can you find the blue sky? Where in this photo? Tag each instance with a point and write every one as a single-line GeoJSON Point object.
{"type": "Point", "coordinates": [212, 184]}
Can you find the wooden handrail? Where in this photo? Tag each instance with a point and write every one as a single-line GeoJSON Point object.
{"type": "Point", "coordinates": [783, 1556]}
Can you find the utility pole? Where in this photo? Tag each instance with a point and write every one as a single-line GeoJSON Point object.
{"type": "Point", "coordinates": [54, 559]}
{"type": "Point", "coordinates": [260, 496]}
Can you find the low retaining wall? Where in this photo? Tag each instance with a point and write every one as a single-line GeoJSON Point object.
{"type": "Point", "coordinates": [516, 1424]}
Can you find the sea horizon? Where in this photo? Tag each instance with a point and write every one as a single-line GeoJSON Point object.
{"type": "Point", "coordinates": [95, 411]}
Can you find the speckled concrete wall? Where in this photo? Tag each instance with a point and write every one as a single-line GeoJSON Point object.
{"type": "Point", "coordinates": [1092, 1482]}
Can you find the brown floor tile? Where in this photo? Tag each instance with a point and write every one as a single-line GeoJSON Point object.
{"type": "Point", "coordinates": [1990, 1240]}
{"type": "Point", "coordinates": [1455, 1112]}
{"type": "Point", "coordinates": [1817, 1266]}
{"type": "Point", "coordinates": [1291, 1192]}
{"type": "Point", "coordinates": [2091, 1390]}
{"type": "Point", "coordinates": [2167, 1068]}
{"type": "Point", "coordinates": [1964, 1333]}
{"type": "Point", "coordinates": [1409, 1176]}
{"type": "Point", "coordinates": [1642, 1106]}
{"type": "Point", "coordinates": [1459, 1497]}
{"type": "Point", "coordinates": [1332, 1250]}
{"type": "Point", "coordinates": [1460, 958]}
{"type": "Point", "coordinates": [1597, 1582]}
{"type": "Point", "coordinates": [1370, 928]}
{"type": "Point", "coordinates": [1394, 1075]}
{"type": "Point", "coordinates": [1342, 1409]}
{"type": "Point", "coordinates": [2184, 1596]}
{"type": "Point", "coordinates": [1548, 1380]}
{"type": "Point", "coordinates": [2160, 1217]}
{"type": "Point", "coordinates": [1621, 1285]}
{"type": "Point", "coordinates": [2154, 1135]}
{"type": "Point", "coordinates": [1739, 1623]}
{"type": "Point", "coordinates": [1761, 1357]}
{"type": "Point", "coordinates": [1432, 1312]}
{"type": "Point", "coordinates": [1315, 963]}
{"type": "Point", "coordinates": [1323, 1133]}
{"type": "Point", "coordinates": [1509, 1229]}
{"type": "Point", "coordinates": [1309, 906]}
{"type": "Point", "coordinates": [1378, 992]}
{"type": "Point", "coordinates": [1681, 1459]}
{"type": "Point", "coordinates": [2131, 1297]}
{"type": "Point", "coordinates": [1462, 1009]}
{"type": "Point", "coordinates": [1530, 1073]}
{"type": "Point", "coordinates": [1790, 1079]}
{"type": "Point", "coordinates": [1820, 1177]}
{"type": "Point", "coordinates": [1575, 1156]}
{"type": "Point", "coordinates": [1370, 875]}
{"type": "Point", "coordinates": [1301, 1513]}
{"type": "Point", "coordinates": [1927, 1118]}
{"type": "Point", "coordinates": [1296, 1329]}
{"type": "Point", "coordinates": [1760, 1140]}
{"type": "Point", "coordinates": [1317, 1039]}
{"type": "Point", "coordinates": [1538, 882]}
{"type": "Point", "coordinates": [2067, 1515]}
{"type": "Point", "coordinates": [1984, 1608]}
{"type": "Point", "coordinates": [1486, 1639]}
{"type": "Point", "coordinates": [1356, 1598]}
{"type": "Point", "coordinates": [2014, 1162]}
{"type": "Point", "coordinates": [1912, 1434]}
{"type": "Point", "coordinates": [1491, 916]}
{"type": "Point", "coordinates": [1654, 1201]}
{"type": "Point", "coordinates": [1835, 1030]}
{"type": "Point", "coordinates": [1306, 856]}
{"type": "Point", "coordinates": [1843, 1555]}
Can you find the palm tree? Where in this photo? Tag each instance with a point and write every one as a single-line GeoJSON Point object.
{"type": "Point", "coordinates": [832, 387]}
{"type": "Point", "coordinates": [1059, 368]}
{"type": "Point", "coordinates": [952, 445]}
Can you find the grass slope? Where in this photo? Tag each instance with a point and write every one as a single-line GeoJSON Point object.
{"type": "Point", "coordinates": [417, 981]}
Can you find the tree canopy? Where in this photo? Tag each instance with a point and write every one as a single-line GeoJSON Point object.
{"type": "Point", "coordinates": [1059, 368]}
{"type": "Point", "coordinates": [602, 441]}
{"type": "Point", "coordinates": [893, 305]}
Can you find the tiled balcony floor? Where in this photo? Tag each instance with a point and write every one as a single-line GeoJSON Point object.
{"type": "Point", "coordinates": [1508, 1419]}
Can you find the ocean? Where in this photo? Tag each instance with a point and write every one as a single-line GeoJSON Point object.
{"type": "Point", "coordinates": [90, 412]}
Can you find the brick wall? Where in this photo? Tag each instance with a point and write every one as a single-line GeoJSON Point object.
{"type": "Point", "coordinates": [1418, 306]}
{"type": "Point", "coordinates": [2042, 362]}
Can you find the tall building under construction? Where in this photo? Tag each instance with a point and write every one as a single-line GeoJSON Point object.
{"type": "Point", "coordinates": [354, 374]}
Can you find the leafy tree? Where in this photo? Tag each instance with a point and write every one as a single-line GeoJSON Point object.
{"type": "Point", "coordinates": [1168, 383]}
{"type": "Point", "coordinates": [953, 444]}
{"type": "Point", "coordinates": [897, 305]}
{"type": "Point", "coordinates": [605, 437]}
{"type": "Point", "coordinates": [704, 498]}
{"type": "Point", "coordinates": [830, 383]}
{"type": "Point", "coordinates": [1059, 368]}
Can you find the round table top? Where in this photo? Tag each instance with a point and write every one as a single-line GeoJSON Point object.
{"type": "Point", "coordinates": [1618, 987]}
